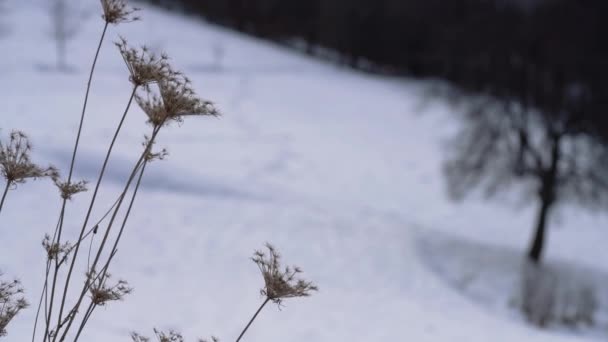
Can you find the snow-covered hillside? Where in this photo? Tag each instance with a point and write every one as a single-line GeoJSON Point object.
{"type": "Point", "coordinates": [340, 170]}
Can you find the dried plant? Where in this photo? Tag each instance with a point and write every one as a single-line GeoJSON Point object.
{"type": "Point", "coordinates": [16, 166]}
{"type": "Point", "coordinates": [166, 96]}
{"type": "Point", "coordinates": [144, 66]}
{"type": "Point", "coordinates": [101, 294]}
{"type": "Point", "coordinates": [114, 12]}
{"type": "Point", "coordinates": [15, 163]}
{"type": "Point", "coordinates": [11, 302]}
{"type": "Point", "coordinates": [170, 336]}
{"type": "Point", "coordinates": [279, 282]}
{"type": "Point", "coordinates": [68, 190]}
{"type": "Point", "coordinates": [178, 100]}
{"type": "Point", "coordinates": [117, 11]}
{"type": "Point", "coordinates": [213, 339]}
{"type": "Point", "coordinates": [174, 101]}
{"type": "Point", "coordinates": [55, 251]}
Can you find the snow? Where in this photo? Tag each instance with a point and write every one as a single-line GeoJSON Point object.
{"type": "Point", "coordinates": [340, 170]}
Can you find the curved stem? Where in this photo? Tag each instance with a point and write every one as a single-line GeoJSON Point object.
{"type": "Point", "coordinates": [90, 209]}
{"type": "Point", "coordinates": [108, 229]}
{"type": "Point", "coordinates": [104, 270]}
{"type": "Point", "coordinates": [252, 319]}
{"type": "Point", "coordinates": [8, 184]}
{"type": "Point", "coordinates": [59, 228]}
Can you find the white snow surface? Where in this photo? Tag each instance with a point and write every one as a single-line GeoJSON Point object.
{"type": "Point", "coordinates": [340, 170]}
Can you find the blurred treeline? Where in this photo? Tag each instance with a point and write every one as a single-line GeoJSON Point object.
{"type": "Point", "coordinates": [548, 54]}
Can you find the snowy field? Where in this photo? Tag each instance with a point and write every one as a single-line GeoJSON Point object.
{"type": "Point", "coordinates": [340, 170]}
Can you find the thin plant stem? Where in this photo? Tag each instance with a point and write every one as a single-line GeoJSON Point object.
{"type": "Point", "coordinates": [59, 228]}
{"type": "Point", "coordinates": [91, 205]}
{"type": "Point", "coordinates": [103, 273]}
{"type": "Point", "coordinates": [87, 315]}
{"type": "Point", "coordinates": [108, 229]}
{"type": "Point", "coordinates": [8, 184]}
{"type": "Point", "coordinates": [253, 319]}
{"type": "Point", "coordinates": [124, 221]}
{"type": "Point", "coordinates": [39, 309]}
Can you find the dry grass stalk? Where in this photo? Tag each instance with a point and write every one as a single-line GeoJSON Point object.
{"type": "Point", "coordinates": [114, 12]}
{"type": "Point", "coordinates": [168, 97]}
{"type": "Point", "coordinates": [179, 100]}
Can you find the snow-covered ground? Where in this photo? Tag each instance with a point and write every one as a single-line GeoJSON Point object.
{"type": "Point", "coordinates": [340, 170]}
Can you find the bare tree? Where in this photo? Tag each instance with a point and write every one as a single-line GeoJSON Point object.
{"type": "Point", "coordinates": [555, 155]}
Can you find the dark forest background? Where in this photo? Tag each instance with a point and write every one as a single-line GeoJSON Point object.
{"type": "Point", "coordinates": [547, 53]}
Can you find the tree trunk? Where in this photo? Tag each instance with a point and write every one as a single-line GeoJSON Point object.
{"type": "Point", "coordinates": [536, 249]}
{"type": "Point", "coordinates": [547, 196]}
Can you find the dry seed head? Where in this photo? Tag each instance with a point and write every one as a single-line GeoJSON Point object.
{"type": "Point", "coordinates": [67, 190]}
{"type": "Point", "coordinates": [170, 336]}
{"type": "Point", "coordinates": [55, 251]}
{"type": "Point", "coordinates": [101, 293]}
{"type": "Point", "coordinates": [139, 338]}
{"type": "Point", "coordinates": [15, 163]}
{"type": "Point", "coordinates": [213, 339]}
{"type": "Point", "coordinates": [151, 156]}
{"type": "Point", "coordinates": [280, 283]}
{"type": "Point", "coordinates": [145, 67]}
{"type": "Point", "coordinates": [11, 302]}
{"type": "Point", "coordinates": [175, 100]}
{"type": "Point", "coordinates": [117, 11]}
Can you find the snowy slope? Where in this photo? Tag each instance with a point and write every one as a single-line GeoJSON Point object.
{"type": "Point", "coordinates": [340, 170]}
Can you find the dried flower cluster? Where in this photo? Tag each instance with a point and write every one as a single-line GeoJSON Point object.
{"type": "Point", "coordinates": [280, 283]}
{"type": "Point", "coordinates": [67, 190]}
{"type": "Point", "coordinates": [170, 336]}
{"type": "Point", "coordinates": [11, 302]}
{"type": "Point", "coordinates": [149, 154]}
{"type": "Point", "coordinates": [144, 66]}
{"type": "Point", "coordinates": [174, 101]}
{"type": "Point", "coordinates": [15, 163]}
{"type": "Point", "coordinates": [101, 293]}
{"type": "Point", "coordinates": [54, 250]}
{"type": "Point", "coordinates": [117, 11]}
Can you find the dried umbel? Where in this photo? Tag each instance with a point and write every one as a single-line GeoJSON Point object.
{"type": "Point", "coordinates": [56, 251]}
{"type": "Point", "coordinates": [170, 336]}
{"type": "Point", "coordinates": [151, 155]}
{"type": "Point", "coordinates": [174, 101]}
{"type": "Point", "coordinates": [117, 11]}
{"type": "Point", "coordinates": [101, 293]}
{"type": "Point", "coordinates": [213, 339]}
{"type": "Point", "coordinates": [15, 163]}
{"type": "Point", "coordinates": [68, 190]}
{"type": "Point", "coordinates": [11, 302]}
{"type": "Point", "coordinates": [280, 283]}
{"type": "Point", "coordinates": [145, 67]}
